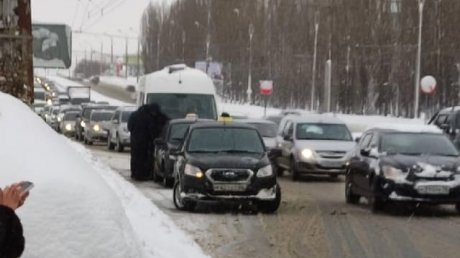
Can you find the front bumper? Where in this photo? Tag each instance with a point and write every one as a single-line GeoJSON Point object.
{"type": "Point", "coordinates": [202, 189]}
{"type": "Point", "coordinates": [411, 191]}
{"type": "Point", "coordinates": [321, 169]}
{"type": "Point", "coordinates": [94, 136]}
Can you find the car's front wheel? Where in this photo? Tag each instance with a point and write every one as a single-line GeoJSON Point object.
{"type": "Point", "coordinates": [119, 146]}
{"type": "Point", "coordinates": [181, 204]}
{"type": "Point", "coordinates": [294, 171]}
{"type": "Point", "coordinates": [271, 206]}
{"type": "Point", "coordinates": [350, 197]}
{"type": "Point", "coordinates": [376, 203]}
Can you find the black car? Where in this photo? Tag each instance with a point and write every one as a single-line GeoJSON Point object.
{"type": "Point", "coordinates": [418, 165]}
{"type": "Point", "coordinates": [170, 140]}
{"type": "Point", "coordinates": [448, 120]}
{"type": "Point", "coordinates": [222, 161]}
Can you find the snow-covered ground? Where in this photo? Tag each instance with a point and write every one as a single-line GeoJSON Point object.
{"type": "Point", "coordinates": [79, 207]}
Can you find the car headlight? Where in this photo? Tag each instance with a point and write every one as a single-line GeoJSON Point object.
{"type": "Point", "coordinates": [82, 123]}
{"type": "Point", "coordinates": [307, 154]}
{"type": "Point", "coordinates": [193, 171]}
{"type": "Point", "coordinates": [265, 171]}
{"type": "Point", "coordinates": [96, 128]}
{"type": "Point", "coordinates": [68, 127]}
{"type": "Point", "coordinates": [392, 172]}
{"type": "Point", "coordinates": [59, 119]}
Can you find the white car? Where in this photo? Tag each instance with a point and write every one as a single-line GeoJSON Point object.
{"type": "Point", "coordinates": [118, 136]}
{"type": "Point", "coordinates": [314, 144]}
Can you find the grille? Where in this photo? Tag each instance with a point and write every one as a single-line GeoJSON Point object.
{"type": "Point", "coordinates": [331, 154]}
{"type": "Point", "coordinates": [229, 175]}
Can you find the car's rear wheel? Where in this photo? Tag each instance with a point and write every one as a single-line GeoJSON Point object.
{"type": "Point", "coordinates": [350, 197]}
{"type": "Point", "coordinates": [119, 147]}
{"type": "Point", "coordinates": [294, 171]}
{"type": "Point", "coordinates": [271, 206]}
{"type": "Point", "coordinates": [181, 204]}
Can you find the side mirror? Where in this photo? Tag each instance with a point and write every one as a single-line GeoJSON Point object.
{"type": "Point", "coordinates": [357, 139]}
{"type": "Point", "coordinates": [365, 152]}
{"type": "Point", "coordinates": [287, 138]}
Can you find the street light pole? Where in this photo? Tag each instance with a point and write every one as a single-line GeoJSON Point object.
{"type": "Point", "coordinates": [126, 59]}
{"type": "Point", "coordinates": [421, 4]}
{"type": "Point", "coordinates": [249, 91]}
{"type": "Point", "coordinates": [313, 80]}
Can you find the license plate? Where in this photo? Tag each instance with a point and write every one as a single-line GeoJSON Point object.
{"type": "Point", "coordinates": [229, 188]}
{"type": "Point", "coordinates": [433, 189]}
{"type": "Point", "coordinates": [331, 164]}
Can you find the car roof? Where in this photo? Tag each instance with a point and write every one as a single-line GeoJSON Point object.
{"type": "Point", "coordinates": [216, 124]}
{"type": "Point", "coordinates": [127, 108]}
{"type": "Point", "coordinates": [185, 121]}
{"type": "Point", "coordinates": [255, 121]}
{"type": "Point", "coordinates": [315, 118]}
{"type": "Point", "coordinates": [406, 128]}
{"type": "Point", "coordinates": [449, 109]}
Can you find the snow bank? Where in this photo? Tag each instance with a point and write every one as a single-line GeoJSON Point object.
{"type": "Point", "coordinates": [159, 236]}
{"type": "Point", "coordinates": [72, 211]}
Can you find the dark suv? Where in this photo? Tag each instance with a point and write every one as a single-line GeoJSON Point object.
{"type": "Point", "coordinates": [448, 120]}
{"type": "Point", "coordinates": [418, 165]}
{"type": "Point", "coordinates": [224, 162]}
{"type": "Point", "coordinates": [170, 140]}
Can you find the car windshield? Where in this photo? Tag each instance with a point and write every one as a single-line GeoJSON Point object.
{"type": "Point", "coordinates": [39, 95]}
{"type": "Point", "coordinates": [179, 105]}
{"type": "Point", "coordinates": [417, 144]}
{"type": "Point", "coordinates": [125, 116]}
{"type": "Point", "coordinates": [319, 131]}
{"type": "Point", "coordinates": [177, 132]}
{"type": "Point", "coordinates": [238, 140]}
{"type": "Point", "coordinates": [39, 104]}
{"type": "Point", "coordinates": [55, 111]}
{"type": "Point", "coordinates": [87, 112]}
{"type": "Point", "coordinates": [70, 116]}
{"type": "Point", "coordinates": [266, 129]}
{"type": "Point", "coordinates": [101, 116]}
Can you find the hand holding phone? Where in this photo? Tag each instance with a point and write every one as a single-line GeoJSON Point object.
{"type": "Point", "coordinates": [26, 186]}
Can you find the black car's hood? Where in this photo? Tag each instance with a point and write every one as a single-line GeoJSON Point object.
{"type": "Point", "coordinates": [206, 161]}
{"type": "Point", "coordinates": [404, 161]}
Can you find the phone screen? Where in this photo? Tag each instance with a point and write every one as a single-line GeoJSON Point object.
{"type": "Point", "coordinates": [26, 186]}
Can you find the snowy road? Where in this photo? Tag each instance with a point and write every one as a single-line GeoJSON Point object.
{"type": "Point", "coordinates": [313, 221]}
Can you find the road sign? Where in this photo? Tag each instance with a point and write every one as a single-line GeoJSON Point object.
{"type": "Point", "coordinates": [428, 84]}
{"type": "Point", "coordinates": [52, 45]}
{"type": "Point", "coordinates": [266, 88]}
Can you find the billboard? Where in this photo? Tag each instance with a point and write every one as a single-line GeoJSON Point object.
{"type": "Point", "coordinates": [52, 45]}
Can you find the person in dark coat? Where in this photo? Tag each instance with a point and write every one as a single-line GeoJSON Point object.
{"type": "Point", "coordinates": [11, 236]}
{"type": "Point", "coordinates": [145, 125]}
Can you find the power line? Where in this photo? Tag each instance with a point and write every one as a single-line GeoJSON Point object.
{"type": "Point", "coordinates": [76, 13]}
{"type": "Point", "coordinates": [86, 10]}
{"type": "Point", "coordinates": [114, 6]}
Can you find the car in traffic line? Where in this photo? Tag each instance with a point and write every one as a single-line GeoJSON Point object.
{"type": "Point", "coordinates": [98, 124]}
{"type": "Point", "coordinates": [404, 163]}
{"type": "Point", "coordinates": [221, 161]}
{"type": "Point", "coordinates": [83, 118]}
{"type": "Point", "coordinates": [314, 144]}
{"type": "Point", "coordinates": [118, 134]}
{"type": "Point", "coordinates": [169, 141]}
{"type": "Point", "coordinates": [67, 125]}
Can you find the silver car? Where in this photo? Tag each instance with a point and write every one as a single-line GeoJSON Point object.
{"type": "Point", "coordinates": [118, 136]}
{"type": "Point", "coordinates": [314, 144]}
{"type": "Point", "coordinates": [97, 127]}
{"type": "Point", "coordinates": [67, 124]}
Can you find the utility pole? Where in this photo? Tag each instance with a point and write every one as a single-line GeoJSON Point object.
{"type": "Point", "coordinates": [208, 36]}
{"type": "Point", "coordinates": [421, 4]}
{"type": "Point", "coordinates": [183, 45]}
{"type": "Point", "coordinates": [313, 80]}
{"type": "Point", "coordinates": [102, 58]}
{"type": "Point", "coordinates": [126, 58]}
{"type": "Point", "coordinates": [138, 59]}
{"type": "Point", "coordinates": [249, 90]}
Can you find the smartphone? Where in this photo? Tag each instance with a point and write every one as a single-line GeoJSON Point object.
{"type": "Point", "coordinates": [26, 186]}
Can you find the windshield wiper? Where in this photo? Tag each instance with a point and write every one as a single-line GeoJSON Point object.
{"type": "Point", "coordinates": [203, 151]}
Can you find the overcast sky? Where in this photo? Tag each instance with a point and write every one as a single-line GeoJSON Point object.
{"type": "Point", "coordinates": [97, 16]}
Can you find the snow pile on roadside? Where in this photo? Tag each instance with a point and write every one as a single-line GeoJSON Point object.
{"type": "Point", "coordinates": [159, 236]}
{"type": "Point", "coordinates": [72, 211]}
{"type": "Point", "coordinates": [119, 81]}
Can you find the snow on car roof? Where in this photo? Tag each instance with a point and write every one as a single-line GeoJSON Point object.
{"type": "Point", "coordinates": [408, 128]}
{"type": "Point", "coordinates": [316, 118]}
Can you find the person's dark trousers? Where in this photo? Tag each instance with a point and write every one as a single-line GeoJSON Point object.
{"type": "Point", "coordinates": [140, 161]}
